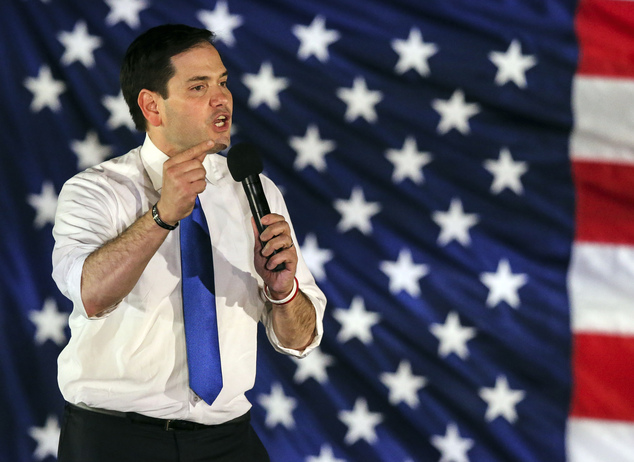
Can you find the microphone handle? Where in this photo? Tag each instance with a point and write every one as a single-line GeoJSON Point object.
{"type": "Point", "coordinates": [258, 205]}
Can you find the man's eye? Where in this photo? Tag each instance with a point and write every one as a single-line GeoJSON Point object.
{"type": "Point", "coordinates": [198, 88]}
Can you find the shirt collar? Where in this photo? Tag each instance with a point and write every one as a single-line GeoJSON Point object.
{"type": "Point", "coordinates": [153, 159]}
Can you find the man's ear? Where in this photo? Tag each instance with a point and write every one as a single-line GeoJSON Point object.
{"type": "Point", "coordinates": [148, 102]}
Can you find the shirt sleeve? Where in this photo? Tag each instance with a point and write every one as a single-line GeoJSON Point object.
{"type": "Point", "coordinates": [305, 279]}
{"type": "Point", "coordinates": [83, 223]}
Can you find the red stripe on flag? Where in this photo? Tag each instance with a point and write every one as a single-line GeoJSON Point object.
{"type": "Point", "coordinates": [603, 377]}
{"type": "Point", "coordinates": [605, 202]}
{"type": "Point", "coordinates": [606, 43]}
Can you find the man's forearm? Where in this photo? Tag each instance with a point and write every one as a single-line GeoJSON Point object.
{"type": "Point", "coordinates": [294, 323]}
{"type": "Point", "coordinates": [110, 272]}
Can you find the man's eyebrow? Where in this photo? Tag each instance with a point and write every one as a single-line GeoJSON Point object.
{"type": "Point", "coordinates": [199, 78]}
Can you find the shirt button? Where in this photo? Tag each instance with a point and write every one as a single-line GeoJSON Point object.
{"type": "Point", "coordinates": [196, 399]}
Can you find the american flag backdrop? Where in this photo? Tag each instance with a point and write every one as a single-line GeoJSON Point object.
{"type": "Point", "coordinates": [458, 173]}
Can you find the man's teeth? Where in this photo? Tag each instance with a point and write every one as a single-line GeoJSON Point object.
{"type": "Point", "coordinates": [220, 122]}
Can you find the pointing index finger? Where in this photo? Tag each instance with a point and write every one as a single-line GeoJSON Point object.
{"type": "Point", "coordinates": [198, 151]}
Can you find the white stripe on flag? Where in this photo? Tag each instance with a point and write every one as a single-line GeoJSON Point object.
{"type": "Point", "coordinates": [604, 119]}
{"type": "Point", "coordinates": [600, 440]}
{"type": "Point", "coordinates": [601, 287]}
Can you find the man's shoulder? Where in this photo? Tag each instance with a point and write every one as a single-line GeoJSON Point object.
{"type": "Point", "coordinates": [115, 178]}
{"type": "Point", "coordinates": [124, 168]}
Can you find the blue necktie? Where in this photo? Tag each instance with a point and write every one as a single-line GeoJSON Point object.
{"type": "Point", "coordinates": [199, 306]}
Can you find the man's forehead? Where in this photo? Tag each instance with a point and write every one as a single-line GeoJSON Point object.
{"type": "Point", "coordinates": [200, 65]}
{"type": "Point", "coordinates": [203, 57]}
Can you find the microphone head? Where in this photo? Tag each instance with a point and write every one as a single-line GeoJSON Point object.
{"type": "Point", "coordinates": [243, 161]}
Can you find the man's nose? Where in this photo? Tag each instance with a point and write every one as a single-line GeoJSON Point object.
{"type": "Point", "coordinates": [219, 97]}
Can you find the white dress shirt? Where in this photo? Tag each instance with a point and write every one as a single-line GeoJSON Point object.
{"type": "Point", "coordinates": [134, 358]}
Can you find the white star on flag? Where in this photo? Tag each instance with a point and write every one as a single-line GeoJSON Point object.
{"type": "Point", "coordinates": [408, 161]}
{"type": "Point", "coordinates": [325, 455]}
{"type": "Point", "coordinates": [45, 204]}
{"type": "Point", "coordinates": [314, 365]}
{"type": "Point", "coordinates": [315, 39]}
{"type": "Point", "coordinates": [46, 90]}
{"type": "Point", "coordinates": [315, 257]}
{"type": "Point", "coordinates": [455, 224]}
{"type": "Point", "coordinates": [125, 10]}
{"type": "Point", "coordinates": [79, 44]}
{"type": "Point", "coordinates": [503, 285]}
{"type": "Point", "coordinates": [119, 112]}
{"type": "Point", "coordinates": [279, 407]}
{"type": "Point", "coordinates": [361, 422]}
{"type": "Point", "coordinates": [49, 323]}
{"type": "Point", "coordinates": [506, 172]}
{"type": "Point", "coordinates": [413, 53]}
{"type": "Point", "coordinates": [265, 87]}
{"type": "Point", "coordinates": [46, 438]}
{"type": "Point", "coordinates": [403, 385]}
{"type": "Point", "coordinates": [221, 22]}
{"type": "Point", "coordinates": [452, 336]}
{"type": "Point", "coordinates": [356, 321]}
{"type": "Point", "coordinates": [501, 400]}
{"type": "Point", "coordinates": [404, 274]}
{"type": "Point", "coordinates": [356, 212]}
{"type": "Point", "coordinates": [455, 113]}
{"type": "Point", "coordinates": [360, 101]}
{"type": "Point", "coordinates": [90, 151]}
{"type": "Point", "coordinates": [512, 65]}
{"type": "Point", "coordinates": [311, 149]}
{"type": "Point", "coordinates": [452, 447]}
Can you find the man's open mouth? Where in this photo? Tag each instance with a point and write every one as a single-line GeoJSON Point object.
{"type": "Point", "coordinates": [221, 121]}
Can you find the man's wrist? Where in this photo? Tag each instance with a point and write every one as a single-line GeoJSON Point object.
{"type": "Point", "coordinates": [287, 299]}
{"type": "Point", "coordinates": [161, 223]}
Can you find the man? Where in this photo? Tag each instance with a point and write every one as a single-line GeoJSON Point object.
{"type": "Point", "coordinates": [117, 256]}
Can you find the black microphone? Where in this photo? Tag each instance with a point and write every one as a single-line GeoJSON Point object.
{"type": "Point", "coordinates": [245, 165]}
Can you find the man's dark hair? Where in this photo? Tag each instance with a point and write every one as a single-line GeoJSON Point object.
{"type": "Point", "coordinates": [147, 63]}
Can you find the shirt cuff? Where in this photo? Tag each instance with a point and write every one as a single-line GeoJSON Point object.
{"type": "Point", "coordinates": [74, 290]}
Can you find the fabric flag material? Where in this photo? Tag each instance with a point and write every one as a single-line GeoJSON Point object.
{"type": "Point", "coordinates": [601, 291]}
{"type": "Point", "coordinates": [457, 174]}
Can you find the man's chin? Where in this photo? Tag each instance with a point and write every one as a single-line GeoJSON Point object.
{"type": "Point", "coordinates": [220, 144]}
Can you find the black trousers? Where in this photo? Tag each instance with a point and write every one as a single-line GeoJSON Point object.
{"type": "Point", "coordinates": [88, 436]}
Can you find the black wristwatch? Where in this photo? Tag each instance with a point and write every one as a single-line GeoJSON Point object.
{"type": "Point", "coordinates": [160, 222]}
